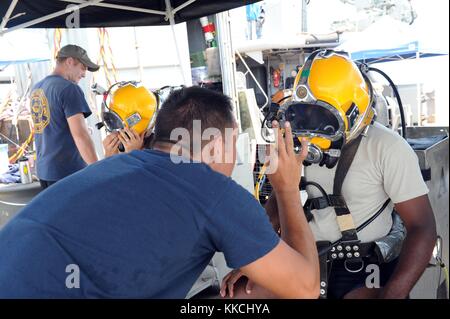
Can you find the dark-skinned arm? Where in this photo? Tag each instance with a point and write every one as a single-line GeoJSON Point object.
{"type": "Point", "coordinates": [418, 218]}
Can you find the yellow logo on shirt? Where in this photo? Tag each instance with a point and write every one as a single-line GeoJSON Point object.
{"type": "Point", "coordinates": [40, 111]}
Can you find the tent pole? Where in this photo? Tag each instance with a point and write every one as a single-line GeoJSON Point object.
{"type": "Point", "coordinates": [227, 60]}
{"type": "Point", "coordinates": [8, 14]}
{"type": "Point", "coordinates": [138, 55]}
{"type": "Point", "coordinates": [120, 7]}
{"type": "Point", "coordinates": [182, 6]}
{"type": "Point", "coordinates": [419, 95]}
{"type": "Point", "coordinates": [169, 16]}
{"type": "Point", "coordinates": [50, 16]}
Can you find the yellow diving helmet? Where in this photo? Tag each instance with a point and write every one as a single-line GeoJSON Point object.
{"type": "Point", "coordinates": [332, 104]}
{"type": "Point", "coordinates": [130, 106]}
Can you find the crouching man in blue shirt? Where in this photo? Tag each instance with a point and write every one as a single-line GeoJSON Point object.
{"type": "Point", "coordinates": [146, 224]}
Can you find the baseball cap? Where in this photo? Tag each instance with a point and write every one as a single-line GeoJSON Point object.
{"type": "Point", "coordinates": [77, 52]}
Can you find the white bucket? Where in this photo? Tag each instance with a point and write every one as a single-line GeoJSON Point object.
{"type": "Point", "coordinates": [4, 159]}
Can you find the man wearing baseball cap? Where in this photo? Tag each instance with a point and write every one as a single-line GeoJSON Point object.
{"type": "Point", "coordinates": [59, 109]}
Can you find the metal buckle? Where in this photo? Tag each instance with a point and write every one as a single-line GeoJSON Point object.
{"type": "Point", "coordinates": [354, 270]}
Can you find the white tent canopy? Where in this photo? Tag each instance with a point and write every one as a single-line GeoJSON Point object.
{"type": "Point", "coordinates": [388, 40]}
{"type": "Point", "coordinates": [24, 46]}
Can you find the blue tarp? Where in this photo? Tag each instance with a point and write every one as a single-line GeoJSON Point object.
{"type": "Point", "coordinates": [4, 64]}
{"type": "Point", "coordinates": [404, 51]}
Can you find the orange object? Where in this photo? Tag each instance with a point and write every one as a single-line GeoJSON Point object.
{"type": "Point", "coordinates": [276, 78]}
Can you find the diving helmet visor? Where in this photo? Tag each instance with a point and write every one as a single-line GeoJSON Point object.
{"type": "Point", "coordinates": [112, 121]}
{"type": "Point", "coordinates": [318, 119]}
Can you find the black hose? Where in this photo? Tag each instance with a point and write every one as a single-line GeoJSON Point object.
{"type": "Point", "coordinates": [284, 98]}
{"type": "Point", "coordinates": [371, 219]}
{"type": "Point", "coordinates": [320, 188]}
{"type": "Point", "coordinates": [397, 96]}
{"type": "Point", "coordinates": [163, 88]}
{"type": "Point", "coordinates": [271, 111]}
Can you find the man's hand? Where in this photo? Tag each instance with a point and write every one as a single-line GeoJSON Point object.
{"type": "Point", "coordinates": [286, 174]}
{"type": "Point", "coordinates": [131, 140]}
{"type": "Point", "coordinates": [230, 279]}
{"type": "Point", "coordinates": [111, 144]}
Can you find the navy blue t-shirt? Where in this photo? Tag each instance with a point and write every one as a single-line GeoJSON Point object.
{"type": "Point", "coordinates": [53, 100]}
{"type": "Point", "coordinates": [136, 226]}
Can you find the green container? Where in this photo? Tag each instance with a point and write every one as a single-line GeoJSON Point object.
{"type": "Point", "coordinates": [198, 59]}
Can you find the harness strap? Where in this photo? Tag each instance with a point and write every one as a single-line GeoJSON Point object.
{"type": "Point", "coordinates": [341, 250]}
{"type": "Point", "coordinates": [344, 217]}
{"type": "Point", "coordinates": [323, 265]}
{"type": "Point", "coordinates": [326, 250]}
{"type": "Point", "coordinates": [324, 202]}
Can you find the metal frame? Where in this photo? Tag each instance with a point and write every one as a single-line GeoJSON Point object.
{"type": "Point", "coordinates": [169, 13]}
{"type": "Point", "coordinates": [8, 14]}
{"type": "Point", "coordinates": [228, 63]}
{"type": "Point", "coordinates": [254, 79]}
{"type": "Point", "coordinates": [119, 7]}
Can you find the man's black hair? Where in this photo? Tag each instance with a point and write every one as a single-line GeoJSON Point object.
{"type": "Point", "coordinates": [185, 105]}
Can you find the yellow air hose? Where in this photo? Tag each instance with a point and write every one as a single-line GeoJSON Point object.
{"type": "Point", "coordinates": [107, 56]}
{"type": "Point", "coordinates": [22, 148]}
{"type": "Point", "coordinates": [259, 181]}
{"type": "Point", "coordinates": [446, 277]}
{"type": "Point", "coordinates": [56, 42]}
{"type": "Point", "coordinates": [437, 254]}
